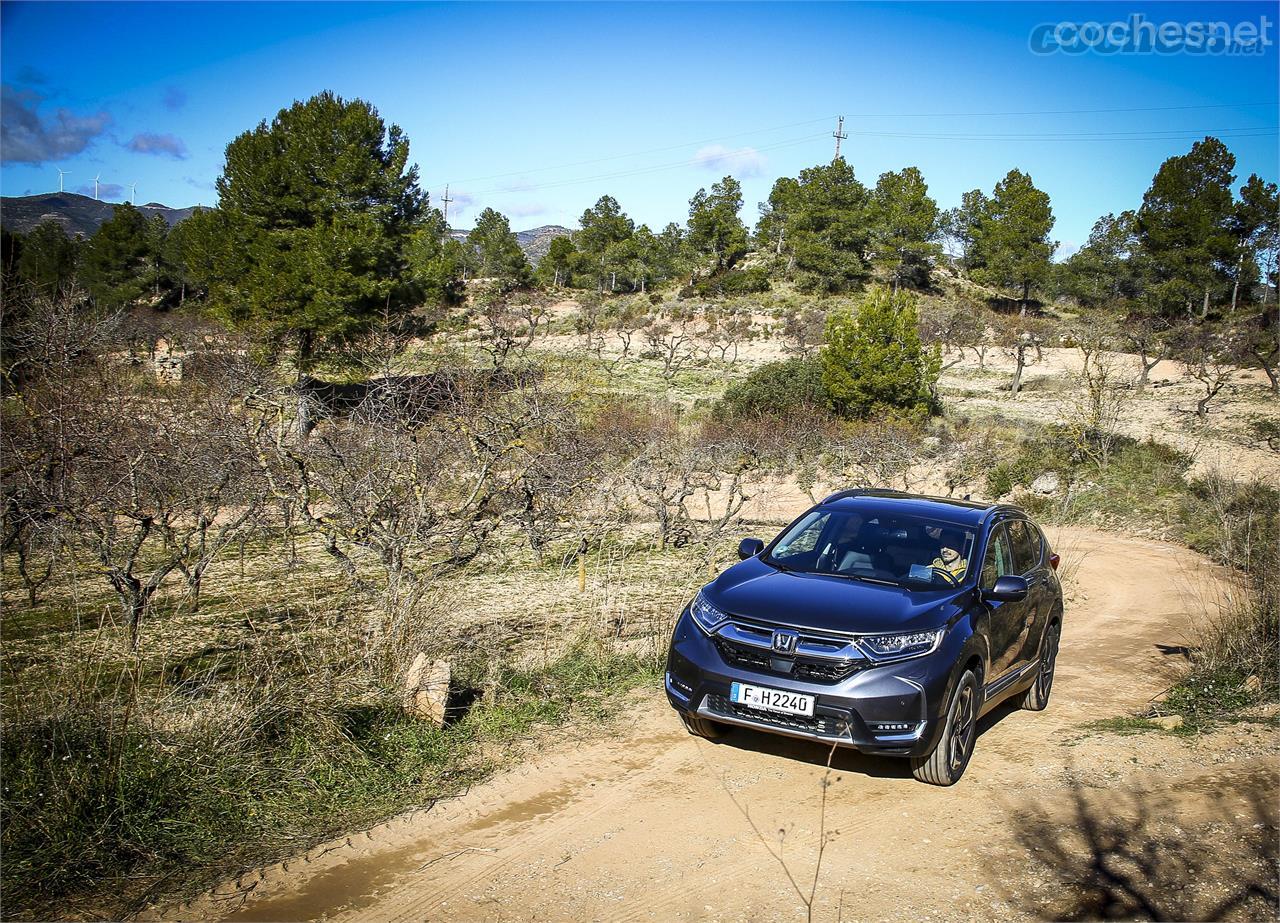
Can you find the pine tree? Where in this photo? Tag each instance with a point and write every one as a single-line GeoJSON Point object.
{"type": "Point", "coordinates": [498, 254]}
{"type": "Point", "coordinates": [47, 259]}
{"type": "Point", "coordinates": [715, 230]}
{"type": "Point", "coordinates": [1185, 225]}
{"type": "Point", "coordinates": [316, 209]}
{"type": "Point", "coordinates": [1012, 244]}
{"type": "Point", "coordinates": [118, 259]}
{"type": "Point", "coordinates": [905, 221]}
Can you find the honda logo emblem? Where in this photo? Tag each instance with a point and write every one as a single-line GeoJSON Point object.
{"type": "Point", "coordinates": [784, 642]}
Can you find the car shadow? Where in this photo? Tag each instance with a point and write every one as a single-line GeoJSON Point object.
{"type": "Point", "coordinates": [844, 759]}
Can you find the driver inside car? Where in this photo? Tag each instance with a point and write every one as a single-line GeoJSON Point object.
{"type": "Point", "coordinates": [949, 560]}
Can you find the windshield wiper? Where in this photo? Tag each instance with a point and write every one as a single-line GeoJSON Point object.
{"type": "Point", "coordinates": [865, 579]}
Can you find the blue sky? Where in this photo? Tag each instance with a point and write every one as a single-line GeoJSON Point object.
{"type": "Point", "coordinates": [538, 109]}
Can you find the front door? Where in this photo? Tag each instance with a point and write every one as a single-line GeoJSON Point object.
{"type": "Point", "coordinates": [1009, 625]}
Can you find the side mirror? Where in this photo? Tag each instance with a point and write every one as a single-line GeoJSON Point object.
{"type": "Point", "coordinates": [749, 548]}
{"type": "Point", "coordinates": [1008, 589]}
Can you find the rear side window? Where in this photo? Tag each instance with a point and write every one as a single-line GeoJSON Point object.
{"type": "Point", "coordinates": [998, 560]}
{"type": "Point", "coordinates": [1026, 546]}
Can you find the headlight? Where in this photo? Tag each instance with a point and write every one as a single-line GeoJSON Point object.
{"type": "Point", "coordinates": [704, 614]}
{"type": "Point", "coordinates": [899, 646]}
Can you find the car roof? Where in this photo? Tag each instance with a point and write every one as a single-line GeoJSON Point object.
{"type": "Point", "coordinates": [944, 509]}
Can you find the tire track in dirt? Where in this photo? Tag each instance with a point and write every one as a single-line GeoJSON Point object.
{"type": "Point", "coordinates": [651, 824]}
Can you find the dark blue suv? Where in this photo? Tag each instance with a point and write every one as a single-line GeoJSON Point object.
{"type": "Point", "coordinates": [878, 620]}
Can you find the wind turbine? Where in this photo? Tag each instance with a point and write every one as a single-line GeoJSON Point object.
{"type": "Point", "coordinates": [95, 185]}
{"type": "Point", "coordinates": [133, 193]}
{"type": "Point", "coordinates": [61, 174]}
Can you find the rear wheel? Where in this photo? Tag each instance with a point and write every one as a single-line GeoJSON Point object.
{"type": "Point", "coordinates": [946, 764]}
{"type": "Point", "coordinates": [1037, 697]}
{"type": "Point", "coordinates": [702, 727]}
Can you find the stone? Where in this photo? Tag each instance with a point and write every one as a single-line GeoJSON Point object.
{"type": "Point", "coordinates": [1047, 483]}
{"type": "Point", "coordinates": [1253, 685]}
{"type": "Point", "coordinates": [1168, 722]}
{"type": "Point", "coordinates": [426, 689]}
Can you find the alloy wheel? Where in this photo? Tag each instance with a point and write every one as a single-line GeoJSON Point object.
{"type": "Point", "coordinates": [1044, 682]}
{"type": "Point", "coordinates": [963, 727]}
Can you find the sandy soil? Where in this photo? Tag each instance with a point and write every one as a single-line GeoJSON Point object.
{"type": "Point", "coordinates": [644, 822]}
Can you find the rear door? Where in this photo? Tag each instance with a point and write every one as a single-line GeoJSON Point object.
{"type": "Point", "coordinates": [1008, 619]}
{"type": "Point", "coordinates": [1029, 561]}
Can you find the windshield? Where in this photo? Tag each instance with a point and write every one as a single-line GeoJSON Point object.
{"type": "Point", "coordinates": [897, 549]}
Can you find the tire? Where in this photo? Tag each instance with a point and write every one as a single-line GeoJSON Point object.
{"type": "Point", "coordinates": [946, 764]}
{"type": "Point", "coordinates": [702, 727]}
{"type": "Point", "coordinates": [1037, 697]}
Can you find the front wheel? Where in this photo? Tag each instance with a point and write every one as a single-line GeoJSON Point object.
{"type": "Point", "coordinates": [946, 764]}
{"type": "Point", "coordinates": [1037, 697]}
{"type": "Point", "coordinates": [702, 727]}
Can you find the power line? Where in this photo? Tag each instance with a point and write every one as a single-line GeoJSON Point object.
{"type": "Point", "coordinates": [1162, 135]}
{"type": "Point", "coordinates": [638, 171]}
{"type": "Point", "coordinates": [864, 115]}
{"type": "Point", "coordinates": [652, 150]}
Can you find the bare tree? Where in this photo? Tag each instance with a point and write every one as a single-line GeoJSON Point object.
{"type": "Point", "coordinates": [803, 330]}
{"type": "Point", "coordinates": [955, 328]}
{"type": "Point", "coordinates": [1022, 338]}
{"type": "Point", "coordinates": [1096, 407]}
{"type": "Point", "coordinates": [1210, 359]}
{"type": "Point", "coordinates": [669, 344]}
{"type": "Point", "coordinates": [508, 324]}
{"type": "Point", "coordinates": [146, 483]}
{"type": "Point", "coordinates": [727, 330]}
{"type": "Point", "coordinates": [1148, 336]}
{"type": "Point", "coordinates": [877, 454]}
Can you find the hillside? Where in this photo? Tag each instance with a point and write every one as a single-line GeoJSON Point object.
{"type": "Point", "coordinates": [78, 214]}
{"type": "Point", "coordinates": [534, 242]}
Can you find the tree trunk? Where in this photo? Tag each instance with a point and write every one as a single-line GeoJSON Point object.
{"type": "Point", "coordinates": [1204, 308]}
{"type": "Point", "coordinates": [1147, 369]}
{"type": "Point", "coordinates": [1026, 296]}
{"type": "Point", "coordinates": [305, 421]}
{"type": "Point", "coordinates": [1021, 360]}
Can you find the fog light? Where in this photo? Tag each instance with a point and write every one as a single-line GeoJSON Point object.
{"type": "Point", "coordinates": [680, 684]}
{"type": "Point", "coordinates": [882, 727]}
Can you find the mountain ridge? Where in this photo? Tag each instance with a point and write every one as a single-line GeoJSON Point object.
{"type": "Point", "coordinates": [82, 215]}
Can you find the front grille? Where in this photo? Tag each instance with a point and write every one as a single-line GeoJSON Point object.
{"type": "Point", "coordinates": [805, 668]}
{"type": "Point", "coordinates": [825, 725]}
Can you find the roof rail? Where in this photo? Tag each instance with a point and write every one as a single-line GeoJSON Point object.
{"type": "Point", "coordinates": [864, 492]}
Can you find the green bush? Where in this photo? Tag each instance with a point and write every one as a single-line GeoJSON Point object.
{"type": "Point", "coordinates": [735, 282]}
{"type": "Point", "coordinates": [775, 389]}
{"type": "Point", "coordinates": [874, 360]}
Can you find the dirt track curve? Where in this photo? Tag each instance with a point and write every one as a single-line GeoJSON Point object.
{"type": "Point", "coordinates": [649, 823]}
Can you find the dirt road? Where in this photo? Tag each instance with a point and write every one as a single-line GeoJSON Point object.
{"type": "Point", "coordinates": [648, 823]}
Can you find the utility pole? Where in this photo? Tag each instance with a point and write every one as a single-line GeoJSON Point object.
{"type": "Point", "coordinates": [446, 200]}
{"type": "Point", "coordinates": [839, 135]}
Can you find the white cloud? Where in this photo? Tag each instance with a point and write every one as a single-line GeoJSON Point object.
{"type": "Point", "coordinates": [741, 162]}
{"type": "Point", "coordinates": [160, 145]}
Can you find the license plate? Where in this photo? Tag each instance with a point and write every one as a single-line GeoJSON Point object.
{"type": "Point", "coordinates": [788, 703]}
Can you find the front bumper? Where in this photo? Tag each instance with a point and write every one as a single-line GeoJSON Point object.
{"type": "Point", "coordinates": [890, 709]}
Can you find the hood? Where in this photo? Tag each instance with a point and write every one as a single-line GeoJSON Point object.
{"type": "Point", "coordinates": [754, 590]}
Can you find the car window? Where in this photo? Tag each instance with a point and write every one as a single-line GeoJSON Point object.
{"type": "Point", "coordinates": [1026, 552]}
{"type": "Point", "coordinates": [803, 538]}
{"type": "Point", "coordinates": [998, 560]}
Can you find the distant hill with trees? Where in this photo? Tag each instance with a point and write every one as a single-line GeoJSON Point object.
{"type": "Point", "coordinates": [78, 214]}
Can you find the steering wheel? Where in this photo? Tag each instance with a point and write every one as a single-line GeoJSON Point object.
{"type": "Point", "coordinates": [946, 575]}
